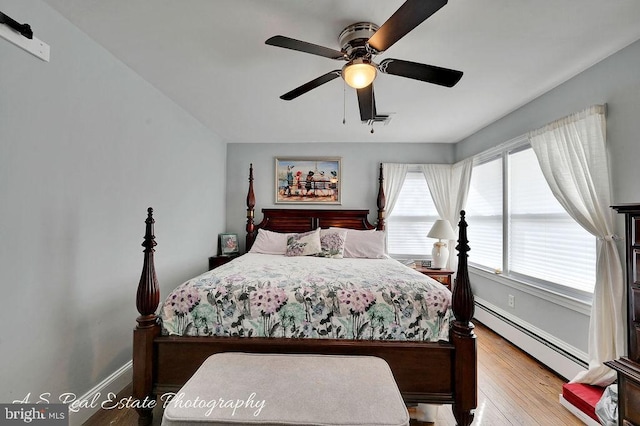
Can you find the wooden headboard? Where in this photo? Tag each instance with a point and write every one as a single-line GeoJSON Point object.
{"type": "Point", "coordinates": [302, 220]}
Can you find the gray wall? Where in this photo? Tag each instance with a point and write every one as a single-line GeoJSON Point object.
{"type": "Point", "coordinates": [86, 146]}
{"type": "Point", "coordinates": [616, 82]}
{"type": "Point", "coordinates": [360, 163]}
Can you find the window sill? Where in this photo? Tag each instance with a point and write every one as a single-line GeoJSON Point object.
{"type": "Point", "coordinates": [568, 302]}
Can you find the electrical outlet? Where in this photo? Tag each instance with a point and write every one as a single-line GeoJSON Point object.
{"type": "Point", "coordinates": [512, 301]}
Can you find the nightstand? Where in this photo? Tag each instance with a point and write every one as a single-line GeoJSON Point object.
{"type": "Point", "coordinates": [216, 261]}
{"type": "Point", "coordinates": [441, 275]}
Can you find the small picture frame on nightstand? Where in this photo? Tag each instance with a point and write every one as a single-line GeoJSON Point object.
{"type": "Point", "coordinates": [228, 244]}
{"type": "Point", "coordinates": [425, 263]}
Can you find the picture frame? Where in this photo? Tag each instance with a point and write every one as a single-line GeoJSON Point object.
{"type": "Point", "coordinates": [308, 180]}
{"type": "Point", "coordinates": [228, 244]}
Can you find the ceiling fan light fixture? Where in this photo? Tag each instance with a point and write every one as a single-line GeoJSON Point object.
{"type": "Point", "coordinates": [359, 73]}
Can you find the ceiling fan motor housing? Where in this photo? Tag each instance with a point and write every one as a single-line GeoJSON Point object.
{"type": "Point", "coordinates": [353, 39]}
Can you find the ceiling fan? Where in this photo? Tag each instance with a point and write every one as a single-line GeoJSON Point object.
{"type": "Point", "coordinates": [360, 43]}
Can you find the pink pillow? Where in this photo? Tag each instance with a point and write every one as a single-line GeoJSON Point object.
{"type": "Point", "coordinates": [368, 244]}
{"type": "Point", "coordinates": [269, 242]}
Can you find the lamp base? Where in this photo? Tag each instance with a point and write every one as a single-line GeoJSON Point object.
{"type": "Point", "coordinates": [440, 254]}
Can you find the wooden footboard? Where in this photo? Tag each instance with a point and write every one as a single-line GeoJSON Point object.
{"type": "Point", "coordinates": [439, 373]}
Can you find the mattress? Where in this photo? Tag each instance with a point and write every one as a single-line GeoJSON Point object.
{"type": "Point", "coordinates": [259, 295]}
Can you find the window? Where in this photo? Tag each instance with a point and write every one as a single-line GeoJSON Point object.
{"type": "Point", "coordinates": [484, 212]}
{"type": "Point", "coordinates": [520, 228]}
{"type": "Point", "coordinates": [411, 218]}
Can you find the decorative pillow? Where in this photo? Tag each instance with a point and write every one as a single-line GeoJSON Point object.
{"type": "Point", "coordinates": [269, 242]}
{"type": "Point", "coordinates": [365, 244]}
{"type": "Point", "coordinates": [304, 244]}
{"type": "Point", "coordinates": [332, 242]}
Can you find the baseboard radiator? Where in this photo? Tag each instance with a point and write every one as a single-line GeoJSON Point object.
{"type": "Point", "coordinates": [557, 355]}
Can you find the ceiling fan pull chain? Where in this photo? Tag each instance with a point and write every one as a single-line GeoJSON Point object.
{"type": "Point", "coordinates": [344, 102]}
{"type": "Point", "coordinates": [372, 110]}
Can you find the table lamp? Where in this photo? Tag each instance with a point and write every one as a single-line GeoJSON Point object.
{"type": "Point", "coordinates": [441, 230]}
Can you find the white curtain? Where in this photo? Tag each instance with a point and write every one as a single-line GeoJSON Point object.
{"type": "Point", "coordinates": [394, 175]}
{"type": "Point", "coordinates": [449, 187]}
{"type": "Point", "coordinates": [572, 155]}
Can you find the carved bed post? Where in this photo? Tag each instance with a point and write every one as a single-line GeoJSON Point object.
{"type": "Point", "coordinates": [381, 201]}
{"type": "Point", "coordinates": [251, 203]}
{"type": "Point", "coordinates": [462, 335]}
{"type": "Point", "coordinates": [147, 300]}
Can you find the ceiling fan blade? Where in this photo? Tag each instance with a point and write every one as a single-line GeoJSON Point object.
{"type": "Point", "coordinates": [367, 103]}
{"type": "Point", "coordinates": [429, 73]}
{"type": "Point", "coordinates": [303, 46]}
{"type": "Point", "coordinates": [411, 14]}
{"type": "Point", "coordinates": [311, 85]}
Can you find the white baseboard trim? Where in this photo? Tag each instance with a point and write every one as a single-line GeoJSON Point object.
{"type": "Point", "coordinates": [559, 356]}
{"type": "Point", "coordinates": [116, 381]}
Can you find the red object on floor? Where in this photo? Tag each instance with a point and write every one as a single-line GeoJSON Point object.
{"type": "Point", "coordinates": [584, 397]}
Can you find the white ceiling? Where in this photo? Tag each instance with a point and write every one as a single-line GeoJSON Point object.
{"type": "Point", "coordinates": [209, 57]}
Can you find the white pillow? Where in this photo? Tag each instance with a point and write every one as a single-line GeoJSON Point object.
{"type": "Point", "coordinates": [269, 242]}
{"type": "Point", "coordinates": [332, 242]}
{"type": "Point", "coordinates": [368, 244]}
{"type": "Point", "coordinates": [304, 244]}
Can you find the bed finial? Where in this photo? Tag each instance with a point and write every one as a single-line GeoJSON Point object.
{"type": "Point", "coordinates": [251, 203]}
{"type": "Point", "coordinates": [147, 300]}
{"type": "Point", "coordinates": [148, 295]}
{"type": "Point", "coordinates": [462, 294]}
{"type": "Point", "coordinates": [381, 200]}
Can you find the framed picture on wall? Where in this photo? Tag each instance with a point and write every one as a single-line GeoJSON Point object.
{"type": "Point", "coordinates": [228, 244]}
{"type": "Point", "coordinates": [308, 180]}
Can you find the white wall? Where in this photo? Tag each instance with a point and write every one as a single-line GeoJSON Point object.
{"type": "Point", "coordinates": [616, 82]}
{"type": "Point", "coordinates": [86, 146]}
{"type": "Point", "coordinates": [360, 164]}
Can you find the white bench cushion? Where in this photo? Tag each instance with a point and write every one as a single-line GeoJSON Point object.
{"type": "Point", "coordinates": [278, 389]}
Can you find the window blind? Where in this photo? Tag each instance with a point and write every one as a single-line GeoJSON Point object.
{"type": "Point", "coordinates": [544, 241]}
{"type": "Point", "coordinates": [484, 215]}
{"type": "Point", "coordinates": [411, 219]}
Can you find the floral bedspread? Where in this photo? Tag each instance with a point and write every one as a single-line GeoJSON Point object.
{"type": "Point", "coordinates": [277, 296]}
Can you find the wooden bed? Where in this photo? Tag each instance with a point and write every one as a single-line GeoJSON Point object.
{"type": "Point", "coordinates": [437, 373]}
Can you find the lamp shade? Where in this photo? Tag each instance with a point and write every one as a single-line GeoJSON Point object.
{"type": "Point", "coordinates": [359, 73]}
{"type": "Point", "coordinates": [442, 230]}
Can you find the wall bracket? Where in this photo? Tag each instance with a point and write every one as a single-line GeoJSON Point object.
{"type": "Point", "coordinates": [22, 36]}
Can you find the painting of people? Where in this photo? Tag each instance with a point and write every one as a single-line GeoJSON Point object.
{"type": "Point", "coordinates": [308, 180]}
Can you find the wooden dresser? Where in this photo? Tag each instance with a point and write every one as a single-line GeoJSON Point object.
{"type": "Point", "coordinates": [628, 367]}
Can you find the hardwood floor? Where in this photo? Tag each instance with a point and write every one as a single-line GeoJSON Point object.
{"type": "Point", "coordinates": [513, 389]}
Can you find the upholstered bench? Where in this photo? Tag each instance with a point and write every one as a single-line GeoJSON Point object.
{"type": "Point", "coordinates": [274, 389]}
